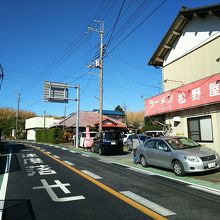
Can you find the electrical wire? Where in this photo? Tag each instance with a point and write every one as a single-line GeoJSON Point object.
{"type": "Point", "coordinates": [134, 29]}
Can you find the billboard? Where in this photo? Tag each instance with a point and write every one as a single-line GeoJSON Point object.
{"type": "Point", "coordinates": [55, 92]}
{"type": "Point", "coordinates": [202, 92]}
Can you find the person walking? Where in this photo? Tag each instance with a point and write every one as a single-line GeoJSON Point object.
{"type": "Point", "coordinates": [135, 143]}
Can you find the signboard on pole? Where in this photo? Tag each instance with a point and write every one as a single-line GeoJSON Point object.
{"type": "Point", "coordinates": [55, 92]}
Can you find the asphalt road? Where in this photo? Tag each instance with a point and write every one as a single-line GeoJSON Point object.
{"type": "Point", "coordinates": [54, 183]}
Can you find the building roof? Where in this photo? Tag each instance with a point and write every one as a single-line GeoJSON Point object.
{"type": "Point", "coordinates": [184, 16]}
{"type": "Point", "coordinates": [90, 119]}
{"type": "Point", "coordinates": [110, 112]}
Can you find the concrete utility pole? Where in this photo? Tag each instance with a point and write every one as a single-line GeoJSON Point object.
{"type": "Point", "coordinates": [77, 114]}
{"type": "Point", "coordinates": [100, 66]}
{"type": "Point", "coordinates": [17, 115]}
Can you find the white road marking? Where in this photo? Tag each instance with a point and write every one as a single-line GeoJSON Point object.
{"type": "Point", "coordinates": [63, 148]}
{"type": "Point", "coordinates": [147, 203]}
{"type": "Point", "coordinates": [27, 149]}
{"type": "Point", "coordinates": [94, 176]}
{"type": "Point", "coordinates": [54, 146]}
{"type": "Point", "coordinates": [4, 184]}
{"type": "Point", "coordinates": [105, 161]}
{"type": "Point", "coordinates": [140, 171]}
{"type": "Point", "coordinates": [55, 156]}
{"type": "Point", "coordinates": [68, 162]}
{"type": "Point", "coordinates": [53, 196]}
{"type": "Point", "coordinates": [211, 191]}
{"type": "Point", "coordinates": [85, 155]}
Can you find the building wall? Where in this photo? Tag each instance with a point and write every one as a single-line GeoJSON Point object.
{"type": "Point", "coordinates": [38, 122]}
{"type": "Point", "coordinates": [182, 128]}
{"type": "Point", "coordinates": [196, 65]}
{"type": "Point", "coordinates": [31, 135]}
{"type": "Point", "coordinates": [197, 32]}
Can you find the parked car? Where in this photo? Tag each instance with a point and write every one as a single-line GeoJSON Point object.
{"type": "Point", "coordinates": [155, 133]}
{"type": "Point", "coordinates": [129, 142]}
{"type": "Point", "coordinates": [125, 137]}
{"type": "Point", "coordinates": [108, 142]}
{"type": "Point", "coordinates": [180, 154]}
{"type": "Point", "coordinates": [83, 141]}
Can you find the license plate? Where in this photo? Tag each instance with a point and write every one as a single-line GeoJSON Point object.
{"type": "Point", "coordinates": [113, 143]}
{"type": "Point", "coordinates": [211, 165]}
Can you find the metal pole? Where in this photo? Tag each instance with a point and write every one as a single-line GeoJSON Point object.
{"type": "Point", "coordinates": [44, 119]}
{"type": "Point", "coordinates": [64, 118]}
{"type": "Point", "coordinates": [17, 115]}
{"type": "Point", "coordinates": [77, 114]}
{"type": "Point", "coordinates": [101, 75]}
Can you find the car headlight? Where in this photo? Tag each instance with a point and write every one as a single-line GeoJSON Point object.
{"type": "Point", "coordinates": [193, 159]}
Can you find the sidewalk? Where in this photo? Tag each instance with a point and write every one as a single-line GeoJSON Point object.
{"type": "Point", "coordinates": [209, 180]}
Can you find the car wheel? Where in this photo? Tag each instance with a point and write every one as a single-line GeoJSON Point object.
{"type": "Point", "coordinates": [178, 168]}
{"type": "Point", "coordinates": [100, 151]}
{"type": "Point", "coordinates": [144, 161]}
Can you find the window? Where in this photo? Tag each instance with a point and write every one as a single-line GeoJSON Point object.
{"type": "Point", "coordinates": [200, 129]}
{"type": "Point", "coordinates": [150, 144]}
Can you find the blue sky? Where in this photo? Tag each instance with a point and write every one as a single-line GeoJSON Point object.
{"type": "Point", "coordinates": [48, 40]}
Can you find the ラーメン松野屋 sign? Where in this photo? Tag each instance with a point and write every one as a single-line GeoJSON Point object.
{"type": "Point", "coordinates": [201, 92]}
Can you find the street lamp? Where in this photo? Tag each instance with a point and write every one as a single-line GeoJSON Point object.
{"type": "Point", "coordinates": [171, 80]}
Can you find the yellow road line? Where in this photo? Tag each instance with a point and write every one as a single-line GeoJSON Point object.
{"type": "Point", "coordinates": [129, 201]}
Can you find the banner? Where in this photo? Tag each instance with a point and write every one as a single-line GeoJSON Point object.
{"type": "Point", "coordinates": [195, 94]}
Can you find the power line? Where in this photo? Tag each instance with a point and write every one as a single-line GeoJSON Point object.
{"type": "Point", "coordinates": [134, 29]}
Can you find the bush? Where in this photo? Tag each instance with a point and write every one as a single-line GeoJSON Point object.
{"type": "Point", "coordinates": [53, 136]}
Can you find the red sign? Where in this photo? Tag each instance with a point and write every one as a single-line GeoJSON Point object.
{"type": "Point", "coordinates": [88, 138]}
{"type": "Point", "coordinates": [201, 92]}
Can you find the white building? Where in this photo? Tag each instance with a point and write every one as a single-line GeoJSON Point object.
{"type": "Point", "coordinates": [32, 124]}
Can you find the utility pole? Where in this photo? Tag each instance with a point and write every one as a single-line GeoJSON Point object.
{"type": "Point", "coordinates": [100, 65]}
{"type": "Point", "coordinates": [77, 114]}
{"type": "Point", "coordinates": [17, 115]}
{"type": "Point", "coordinates": [64, 118]}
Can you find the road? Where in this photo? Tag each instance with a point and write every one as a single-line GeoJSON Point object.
{"type": "Point", "coordinates": [55, 183]}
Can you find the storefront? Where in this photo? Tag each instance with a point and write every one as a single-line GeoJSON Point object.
{"type": "Point", "coordinates": [190, 61]}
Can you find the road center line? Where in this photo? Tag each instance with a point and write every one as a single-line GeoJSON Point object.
{"type": "Point", "coordinates": [115, 193]}
{"type": "Point", "coordinates": [93, 175]}
{"type": "Point", "coordinates": [147, 203]}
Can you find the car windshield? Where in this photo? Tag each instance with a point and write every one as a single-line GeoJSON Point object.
{"type": "Point", "coordinates": [182, 143]}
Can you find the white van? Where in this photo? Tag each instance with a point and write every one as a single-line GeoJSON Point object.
{"type": "Point", "coordinates": [82, 139]}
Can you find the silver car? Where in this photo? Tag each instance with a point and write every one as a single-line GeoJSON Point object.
{"type": "Point", "coordinates": [181, 154]}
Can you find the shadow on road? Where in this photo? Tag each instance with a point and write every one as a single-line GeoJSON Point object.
{"type": "Point", "coordinates": [18, 209]}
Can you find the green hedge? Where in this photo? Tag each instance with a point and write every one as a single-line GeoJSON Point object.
{"type": "Point", "coordinates": [53, 136]}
